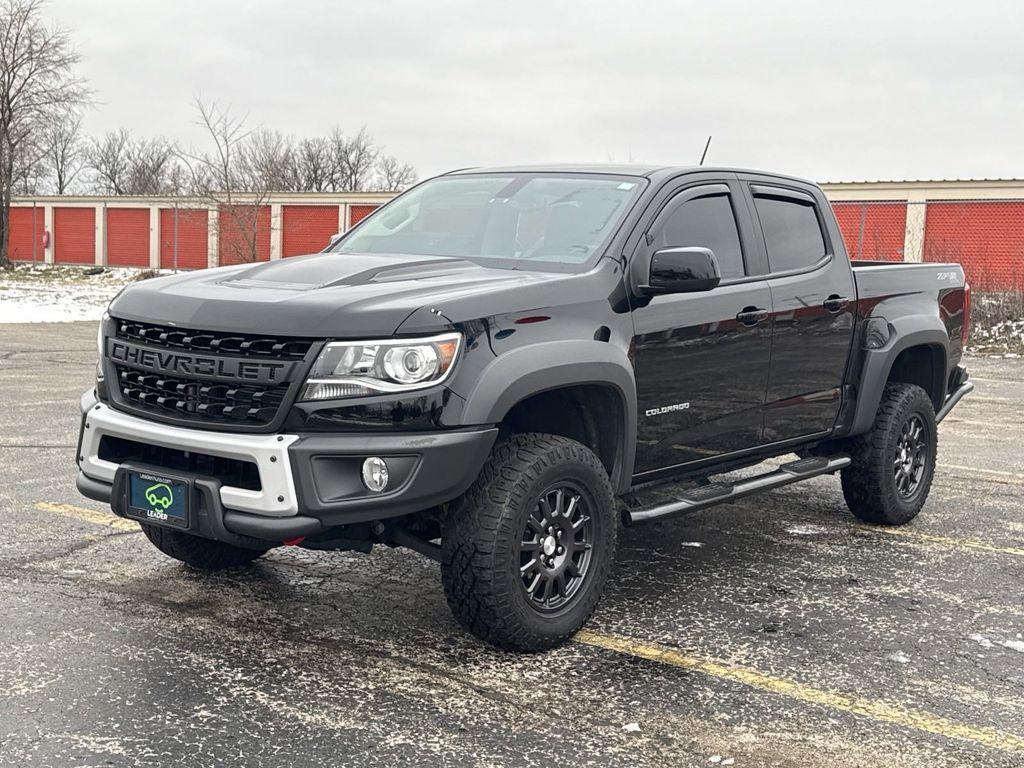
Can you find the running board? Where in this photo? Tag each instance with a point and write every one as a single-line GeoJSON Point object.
{"type": "Point", "coordinates": [705, 496]}
{"type": "Point", "coordinates": [964, 389]}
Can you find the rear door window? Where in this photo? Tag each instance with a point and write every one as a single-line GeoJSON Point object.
{"type": "Point", "coordinates": [792, 231]}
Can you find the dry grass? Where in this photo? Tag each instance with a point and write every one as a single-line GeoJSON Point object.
{"type": "Point", "coordinates": [997, 322]}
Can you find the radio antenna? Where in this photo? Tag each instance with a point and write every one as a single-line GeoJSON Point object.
{"type": "Point", "coordinates": [705, 153]}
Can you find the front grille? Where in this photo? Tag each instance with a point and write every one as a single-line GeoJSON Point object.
{"type": "Point", "coordinates": [212, 398]}
{"type": "Point", "coordinates": [189, 397]}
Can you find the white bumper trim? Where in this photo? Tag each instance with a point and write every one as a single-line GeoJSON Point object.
{"type": "Point", "coordinates": [268, 452]}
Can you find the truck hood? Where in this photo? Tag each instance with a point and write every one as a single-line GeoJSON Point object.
{"type": "Point", "coordinates": [335, 295]}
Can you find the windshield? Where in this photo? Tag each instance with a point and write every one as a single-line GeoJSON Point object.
{"type": "Point", "coordinates": [507, 219]}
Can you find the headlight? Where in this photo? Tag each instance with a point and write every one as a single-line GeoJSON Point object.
{"type": "Point", "coordinates": [361, 368]}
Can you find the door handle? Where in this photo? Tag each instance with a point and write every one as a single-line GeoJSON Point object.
{"type": "Point", "coordinates": [836, 303]}
{"type": "Point", "coordinates": [751, 315]}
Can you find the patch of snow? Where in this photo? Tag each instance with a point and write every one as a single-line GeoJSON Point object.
{"type": "Point", "coordinates": [631, 727]}
{"type": "Point", "coordinates": [691, 544]}
{"type": "Point", "coordinates": [806, 530]}
{"type": "Point", "coordinates": [899, 658]}
{"type": "Point", "coordinates": [101, 745]}
{"type": "Point", "coordinates": [33, 294]}
{"type": "Point", "coordinates": [985, 642]}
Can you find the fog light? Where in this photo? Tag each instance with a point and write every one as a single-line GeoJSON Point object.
{"type": "Point", "coordinates": [375, 474]}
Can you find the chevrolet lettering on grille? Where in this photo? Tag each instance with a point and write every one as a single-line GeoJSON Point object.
{"type": "Point", "coordinates": [199, 366]}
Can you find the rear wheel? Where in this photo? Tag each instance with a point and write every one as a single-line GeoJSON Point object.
{"type": "Point", "coordinates": [890, 476]}
{"type": "Point", "coordinates": [526, 551]}
{"type": "Point", "coordinates": [200, 553]}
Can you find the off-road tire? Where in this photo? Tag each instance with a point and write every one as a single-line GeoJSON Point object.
{"type": "Point", "coordinates": [480, 565]}
{"type": "Point", "coordinates": [869, 485]}
{"type": "Point", "coordinates": [197, 552]}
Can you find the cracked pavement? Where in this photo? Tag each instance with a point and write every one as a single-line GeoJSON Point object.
{"type": "Point", "coordinates": [776, 631]}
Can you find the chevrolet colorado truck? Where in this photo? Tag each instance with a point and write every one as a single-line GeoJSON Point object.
{"type": "Point", "coordinates": [496, 368]}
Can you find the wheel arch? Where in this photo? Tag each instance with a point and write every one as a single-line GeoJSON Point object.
{"type": "Point", "coordinates": [595, 378]}
{"type": "Point", "coordinates": [917, 353]}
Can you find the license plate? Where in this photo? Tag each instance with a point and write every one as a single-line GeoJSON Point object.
{"type": "Point", "coordinates": [158, 499]}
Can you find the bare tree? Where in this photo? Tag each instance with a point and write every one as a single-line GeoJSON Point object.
{"type": "Point", "coordinates": [314, 170]}
{"type": "Point", "coordinates": [268, 162]}
{"type": "Point", "coordinates": [108, 161]}
{"type": "Point", "coordinates": [38, 81]}
{"type": "Point", "coordinates": [394, 175]}
{"type": "Point", "coordinates": [65, 155]}
{"type": "Point", "coordinates": [123, 165]}
{"type": "Point", "coordinates": [221, 176]}
{"type": "Point", "coordinates": [217, 171]}
{"type": "Point", "coordinates": [31, 170]}
{"type": "Point", "coordinates": [353, 159]}
{"type": "Point", "coordinates": [150, 162]}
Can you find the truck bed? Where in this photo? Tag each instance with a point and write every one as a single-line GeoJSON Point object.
{"type": "Point", "coordinates": [876, 279]}
{"type": "Point", "coordinates": [890, 289]}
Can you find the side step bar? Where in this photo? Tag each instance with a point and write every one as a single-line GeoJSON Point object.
{"type": "Point", "coordinates": [953, 399]}
{"type": "Point", "coordinates": [706, 496]}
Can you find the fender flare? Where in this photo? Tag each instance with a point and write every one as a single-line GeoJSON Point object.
{"type": "Point", "coordinates": [530, 370]}
{"type": "Point", "coordinates": [906, 332]}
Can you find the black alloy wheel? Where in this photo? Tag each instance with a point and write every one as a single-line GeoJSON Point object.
{"type": "Point", "coordinates": [556, 546]}
{"type": "Point", "coordinates": [911, 457]}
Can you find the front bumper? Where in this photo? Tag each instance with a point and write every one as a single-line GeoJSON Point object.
{"type": "Point", "coordinates": [307, 483]}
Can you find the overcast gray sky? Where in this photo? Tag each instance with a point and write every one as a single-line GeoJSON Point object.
{"type": "Point", "coordinates": [828, 90]}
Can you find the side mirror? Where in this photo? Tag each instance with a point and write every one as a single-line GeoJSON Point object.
{"type": "Point", "coordinates": [682, 270]}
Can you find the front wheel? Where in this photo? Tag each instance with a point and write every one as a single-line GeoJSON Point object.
{"type": "Point", "coordinates": [888, 480]}
{"type": "Point", "coordinates": [526, 551]}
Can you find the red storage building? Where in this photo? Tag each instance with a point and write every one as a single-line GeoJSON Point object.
{"type": "Point", "coordinates": [25, 242]}
{"type": "Point", "coordinates": [307, 228]}
{"type": "Point", "coordinates": [74, 235]}
{"type": "Point", "coordinates": [128, 237]}
{"type": "Point", "coordinates": [873, 230]}
{"type": "Point", "coordinates": [244, 234]}
{"type": "Point", "coordinates": [190, 227]}
{"type": "Point", "coordinates": [357, 213]}
{"type": "Point", "coordinates": [985, 236]}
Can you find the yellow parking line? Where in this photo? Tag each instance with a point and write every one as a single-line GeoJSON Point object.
{"type": "Point", "coordinates": [108, 519]}
{"type": "Point", "coordinates": [995, 475]}
{"type": "Point", "coordinates": [946, 541]}
{"type": "Point", "coordinates": [976, 423]}
{"type": "Point", "coordinates": [752, 678]}
{"type": "Point", "coordinates": [992, 401]}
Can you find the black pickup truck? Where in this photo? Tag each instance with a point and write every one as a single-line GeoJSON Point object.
{"type": "Point", "coordinates": [494, 367]}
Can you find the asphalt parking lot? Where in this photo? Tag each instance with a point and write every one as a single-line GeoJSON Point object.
{"type": "Point", "coordinates": [776, 631]}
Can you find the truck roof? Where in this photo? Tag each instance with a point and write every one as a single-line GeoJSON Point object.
{"type": "Point", "coordinates": [620, 169]}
